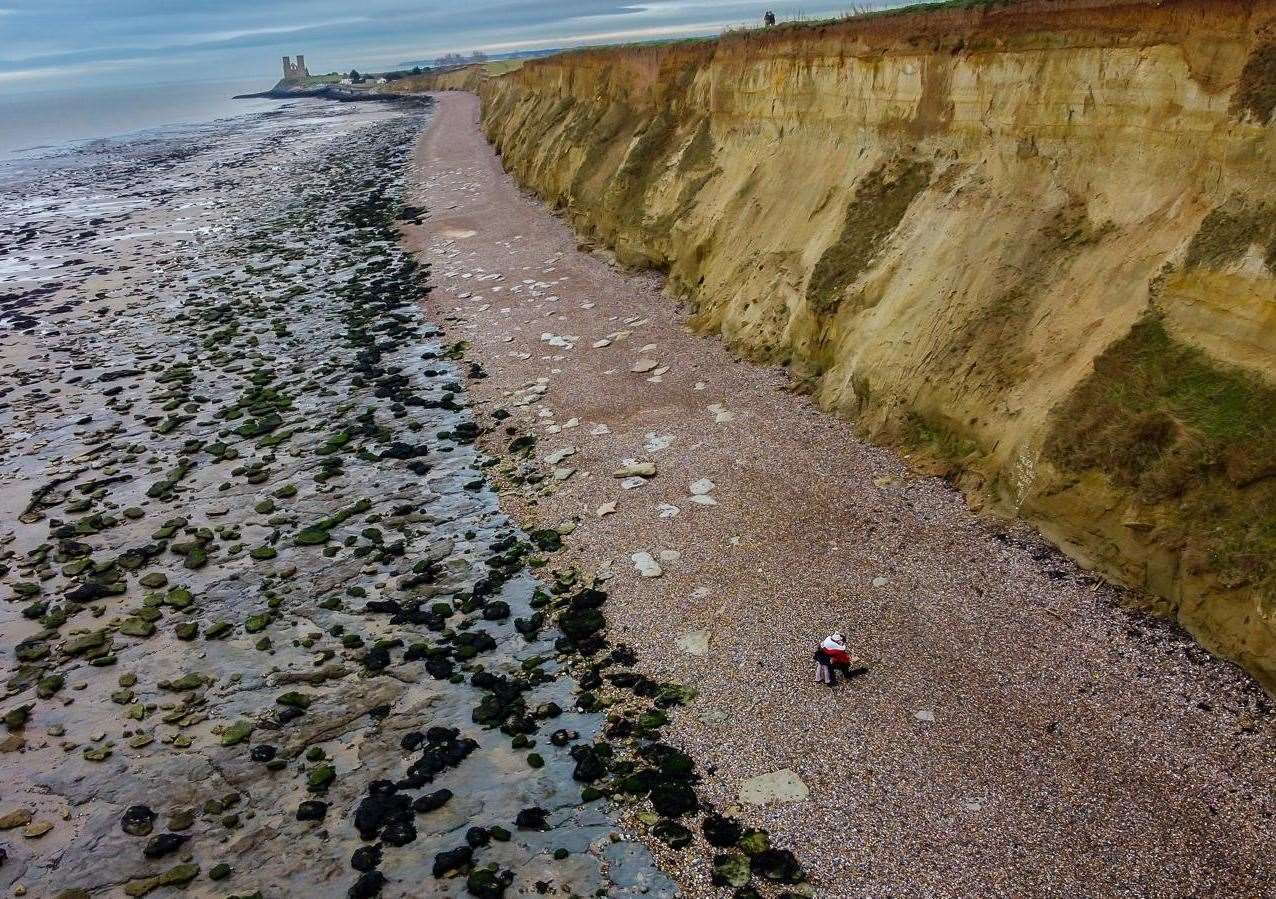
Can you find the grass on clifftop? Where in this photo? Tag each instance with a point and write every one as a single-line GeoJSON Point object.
{"type": "Point", "coordinates": [1161, 419]}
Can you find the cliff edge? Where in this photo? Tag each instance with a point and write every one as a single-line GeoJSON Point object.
{"type": "Point", "coordinates": [1033, 243]}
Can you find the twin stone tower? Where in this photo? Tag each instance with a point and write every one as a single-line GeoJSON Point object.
{"type": "Point", "coordinates": [295, 71]}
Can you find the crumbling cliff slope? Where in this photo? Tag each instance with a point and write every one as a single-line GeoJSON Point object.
{"type": "Point", "coordinates": [1035, 243]}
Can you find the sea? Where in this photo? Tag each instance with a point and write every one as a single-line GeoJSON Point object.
{"type": "Point", "coordinates": [35, 122]}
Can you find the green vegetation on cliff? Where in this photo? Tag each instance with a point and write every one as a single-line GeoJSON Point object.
{"type": "Point", "coordinates": [1161, 419]}
{"type": "Point", "coordinates": [1229, 232]}
{"type": "Point", "coordinates": [881, 199]}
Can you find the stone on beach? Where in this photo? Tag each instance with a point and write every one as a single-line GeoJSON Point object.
{"type": "Point", "coordinates": [695, 643]}
{"type": "Point", "coordinates": [635, 469]}
{"type": "Point", "coordinates": [720, 413]}
{"type": "Point", "coordinates": [777, 786]}
{"type": "Point", "coordinates": [646, 565]}
{"type": "Point", "coordinates": [559, 455]}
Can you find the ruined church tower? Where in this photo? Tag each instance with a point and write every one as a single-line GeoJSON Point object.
{"type": "Point", "coordinates": [297, 71]}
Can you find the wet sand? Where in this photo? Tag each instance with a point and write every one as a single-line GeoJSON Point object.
{"type": "Point", "coordinates": [267, 632]}
{"type": "Point", "coordinates": [1017, 733]}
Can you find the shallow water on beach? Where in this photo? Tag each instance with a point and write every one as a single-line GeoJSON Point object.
{"type": "Point", "coordinates": [254, 582]}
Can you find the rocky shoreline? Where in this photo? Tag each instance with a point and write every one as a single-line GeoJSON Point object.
{"type": "Point", "coordinates": [315, 587]}
{"type": "Point", "coordinates": [271, 632]}
{"type": "Point", "coordinates": [330, 92]}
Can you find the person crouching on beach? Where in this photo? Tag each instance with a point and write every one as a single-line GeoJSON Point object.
{"type": "Point", "coordinates": [831, 657]}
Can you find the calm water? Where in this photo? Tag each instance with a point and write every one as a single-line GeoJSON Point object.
{"type": "Point", "coordinates": [31, 122]}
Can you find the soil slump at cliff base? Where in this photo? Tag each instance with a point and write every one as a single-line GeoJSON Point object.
{"type": "Point", "coordinates": [1017, 733]}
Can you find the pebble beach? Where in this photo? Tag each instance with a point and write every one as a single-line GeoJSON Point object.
{"type": "Point", "coordinates": [1018, 733]}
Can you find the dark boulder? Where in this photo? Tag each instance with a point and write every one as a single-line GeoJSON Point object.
{"type": "Point", "coordinates": [430, 802]}
{"type": "Point", "coordinates": [312, 810]}
{"type": "Point", "coordinates": [589, 765]}
{"type": "Point", "coordinates": [458, 859]}
{"type": "Point", "coordinates": [672, 834]}
{"type": "Point", "coordinates": [365, 858]}
{"type": "Point", "coordinates": [368, 885]}
{"type": "Point", "coordinates": [488, 883]}
{"type": "Point", "coordinates": [137, 820]}
{"type": "Point", "coordinates": [778, 866]}
{"type": "Point", "coordinates": [164, 844]}
{"type": "Point", "coordinates": [378, 811]}
{"type": "Point", "coordinates": [532, 819]}
{"type": "Point", "coordinates": [673, 799]}
{"type": "Point", "coordinates": [721, 831]}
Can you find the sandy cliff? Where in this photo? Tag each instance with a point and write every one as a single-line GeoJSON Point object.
{"type": "Point", "coordinates": [1033, 243]}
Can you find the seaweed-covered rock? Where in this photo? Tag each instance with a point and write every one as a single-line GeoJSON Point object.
{"type": "Point", "coordinates": [458, 859]}
{"type": "Point", "coordinates": [590, 765]}
{"type": "Point", "coordinates": [489, 883]}
{"type": "Point", "coordinates": [312, 810]}
{"type": "Point", "coordinates": [497, 610]}
{"type": "Point", "coordinates": [365, 858]}
{"type": "Point", "coordinates": [164, 844]}
{"type": "Point", "coordinates": [778, 866]}
{"type": "Point", "coordinates": [731, 870]}
{"type": "Point", "coordinates": [178, 875]}
{"type": "Point", "coordinates": [380, 810]}
{"type": "Point", "coordinates": [673, 799]}
{"type": "Point", "coordinates": [754, 842]}
{"type": "Point", "coordinates": [138, 820]}
{"type": "Point", "coordinates": [672, 834]}
{"type": "Point", "coordinates": [368, 884]}
{"type": "Point", "coordinates": [721, 831]}
{"type": "Point", "coordinates": [532, 819]}
{"type": "Point", "coordinates": [429, 802]}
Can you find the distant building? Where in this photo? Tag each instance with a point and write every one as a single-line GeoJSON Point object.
{"type": "Point", "coordinates": [297, 71]}
{"type": "Point", "coordinates": [346, 81]}
{"type": "Point", "coordinates": [380, 81]}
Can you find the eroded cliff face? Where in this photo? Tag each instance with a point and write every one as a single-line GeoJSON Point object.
{"type": "Point", "coordinates": [1034, 243]}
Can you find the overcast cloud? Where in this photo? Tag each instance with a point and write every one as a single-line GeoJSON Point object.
{"type": "Point", "coordinates": [50, 43]}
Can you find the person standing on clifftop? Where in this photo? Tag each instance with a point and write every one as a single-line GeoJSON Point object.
{"type": "Point", "coordinates": [768, 18]}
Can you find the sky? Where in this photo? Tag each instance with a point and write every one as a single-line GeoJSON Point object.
{"type": "Point", "coordinates": [47, 44]}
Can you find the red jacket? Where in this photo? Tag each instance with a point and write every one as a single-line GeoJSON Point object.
{"type": "Point", "coordinates": [835, 656]}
